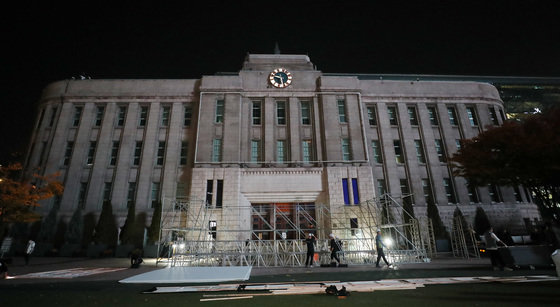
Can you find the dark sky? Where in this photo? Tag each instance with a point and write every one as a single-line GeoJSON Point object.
{"type": "Point", "coordinates": [53, 42]}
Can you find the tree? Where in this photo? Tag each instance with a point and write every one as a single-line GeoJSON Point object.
{"type": "Point", "coordinates": [106, 231]}
{"type": "Point", "coordinates": [481, 221]}
{"type": "Point", "coordinates": [75, 228]}
{"type": "Point", "coordinates": [19, 198]}
{"type": "Point", "coordinates": [440, 232]}
{"type": "Point", "coordinates": [524, 152]}
{"type": "Point", "coordinates": [153, 230]}
{"type": "Point", "coordinates": [127, 230]}
{"type": "Point", "coordinates": [89, 229]}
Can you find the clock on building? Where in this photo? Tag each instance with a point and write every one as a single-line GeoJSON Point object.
{"type": "Point", "coordinates": [280, 78]}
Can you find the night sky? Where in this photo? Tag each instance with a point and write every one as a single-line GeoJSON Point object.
{"type": "Point", "coordinates": [51, 42]}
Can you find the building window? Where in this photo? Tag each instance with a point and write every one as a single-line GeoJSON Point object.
{"type": "Point", "coordinates": [143, 116]}
{"type": "Point", "coordinates": [99, 116]}
{"type": "Point", "coordinates": [91, 152]}
{"type": "Point", "coordinates": [346, 150]}
{"type": "Point", "coordinates": [160, 153]}
{"type": "Point", "coordinates": [405, 194]}
{"type": "Point", "coordinates": [187, 116]}
{"type": "Point", "coordinates": [68, 153]}
{"type": "Point", "coordinates": [43, 156]}
{"type": "Point", "coordinates": [345, 191]}
{"type": "Point", "coordinates": [452, 116]}
{"type": "Point", "coordinates": [219, 116]}
{"type": "Point", "coordinates": [131, 196]}
{"type": "Point", "coordinates": [107, 190]}
{"type": "Point", "coordinates": [427, 189]}
{"type": "Point", "coordinates": [493, 116]}
{"type": "Point", "coordinates": [432, 114]}
{"type": "Point", "coordinates": [517, 194]}
{"type": "Point", "coordinates": [41, 118]}
{"type": "Point", "coordinates": [472, 116]}
{"type": "Point", "coordinates": [419, 151]}
{"type": "Point", "coordinates": [184, 153]}
{"type": "Point", "coordinates": [494, 192]}
{"type": "Point", "coordinates": [502, 114]}
{"type": "Point", "coordinates": [341, 103]}
{"type": "Point", "coordinates": [440, 150]}
{"type": "Point", "coordinates": [137, 153]}
{"type": "Point", "coordinates": [307, 151]}
{"type": "Point", "coordinates": [413, 116]}
{"type": "Point", "coordinates": [305, 113]}
{"type": "Point", "coordinates": [458, 144]}
{"type": "Point", "coordinates": [354, 226]}
{"type": "Point", "coordinates": [216, 150]}
{"type": "Point", "coordinates": [155, 193]}
{"type": "Point", "coordinates": [114, 153]}
{"type": "Point", "coordinates": [399, 157]}
{"type": "Point", "coordinates": [377, 155]}
{"type": "Point", "coordinates": [53, 117]}
{"type": "Point", "coordinates": [281, 151]}
{"type": "Point", "coordinates": [355, 191]}
{"type": "Point", "coordinates": [121, 116]}
{"type": "Point", "coordinates": [209, 192]}
{"type": "Point", "coordinates": [181, 190]}
{"type": "Point", "coordinates": [165, 116]}
{"type": "Point", "coordinates": [219, 193]}
{"type": "Point", "coordinates": [281, 112]}
{"type": "Point", "coordinates": [392, 113]}
{"type": "Point", "coordinates": [256, 112]}
{"type": "Point", "coordinates": [77, 116]}
{"type": "Point", "coordinates": [82, 195]}
{"type": "Point", "coordinates": [381, 188]}
{"type": "Point", "coordinates": [255, 151]}
{"type": "Point", "coordinates": [372, 116]}
{"type": "Point", "coordinates": [449, 190]}
{"type": "Point", "coordinates": [473, 193]}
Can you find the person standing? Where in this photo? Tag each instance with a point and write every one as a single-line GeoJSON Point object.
{"type": "Point", "coordinates": [492, 247]}
{"type": "Point", "coordinates": [335, 248]}
{"type": "Point", "coordinates": [310, 241]}
{"type": "Point", "coordinates": [29, 250]}
{"type": "Point", "coordinates": [379, 246]}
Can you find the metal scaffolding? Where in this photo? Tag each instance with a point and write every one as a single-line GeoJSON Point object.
{"type": "Point", "coordinates": [194, 233]}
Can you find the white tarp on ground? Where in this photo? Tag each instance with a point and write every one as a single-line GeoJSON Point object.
{"type": "Point", "coordinates": [192, 275]}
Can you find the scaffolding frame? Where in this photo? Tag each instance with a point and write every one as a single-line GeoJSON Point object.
{"type": "Point", "coordinates": [187, 238]}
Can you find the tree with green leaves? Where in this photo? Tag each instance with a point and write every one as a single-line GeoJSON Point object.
{"type": "Point", "coordinates": [518, 153]}
{"type": "Point", "coordinates": [75, 228]}
{"type": "Point", "coordinates": [440, 232]}
{"type": "Point", "coordinates": [106, 231]}
{"type": "Point", "coordinates": [481, 221]}
{"type": "Point", "coordinates": [153, 230]}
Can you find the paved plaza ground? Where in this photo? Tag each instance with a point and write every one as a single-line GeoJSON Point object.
{"type": "Point", "coordinates": [94, 282]}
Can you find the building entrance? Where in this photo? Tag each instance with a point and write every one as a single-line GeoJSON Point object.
{"type": "Point", "coordinates": [277, 221]}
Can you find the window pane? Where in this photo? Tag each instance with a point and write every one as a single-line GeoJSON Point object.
{"type": "Point", "coordinates": [392, 113]}
{"type": "Point", "coordinates": [399, 158]}
{"type": "Point", "coordinates": [219, 118]}
{"type": "Point", "coordinates": [256, 113]}
{"type": "Point", "coordinates": [346, 152]}
{"type": "Point", "coordinates": [372, 118]}
{"type": "Point", "coordinates": [187, 117]}
{"type": "Point", "coordinates": [419, 151]}
{"type": "Point", "coordinates": [440, 150]}
{"type": "Point", "coordinates": [255, 151]}
{"type": "Point", "coordinates": [377, 156]}
{"type": "Point", "coordinates": [472, 116]}
{"type": "Point", "coordinates": [307, 150]}
{"type": "Point", "coordinates": [345, 191]}
{"type": "Point", "coordinates": [216, 150]}
{"type": "Point", "coordinates": [412, 116]}
{"type": "Point", "coordinates": [452, 116]}
{"type": "Point", "coordinates": [143, 116]}
{"type": "Point", "coordinates": [281, 112]}
{"type": "Point", "coordinates": [160, 153]}
{"type": "Point", "coordinates": [341, 103]}
{"type": "Point", "coordinates": [165, 116]}
{"type": "Point", "coordinates": [432, 113]}
{"type": "Point", "coordinates": [305, 113]}
{"type": "Point", "coordinates": [281, 151]}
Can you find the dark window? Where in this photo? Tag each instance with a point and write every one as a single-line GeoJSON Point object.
{"type": "Point", "coordinates": [53, 117]}
{"type": "Point", "coordinates": [372, 117]}
{"type": "Point", "coordinates": [114, 153]}
{"type": "Point", "coordinates": [91, 152]}
{"type": "Point", "coordinates": [377, 155]}
{"type": "Point", "coordinates": [99, 116]}
{"type": "Point", "coordinates": [345, 191]}
{"type": "Point", "coordinates": [257, 112]}
{"type": "Point", "coordinates": [165, 116]}
{"type": "Point", "coordinates": [184, 153]}
{"type": "Point", "coordinates": [432, 114]}
{"type": "Point", "coordinates": [219, 193]}
{"type": "Point", "coordinates": [392, 113]}
{"type": "Point", "coordinates": [471, 113]}
{"type": "Point", "coordinates": [121, 116]}
{"type": "Point", "coordinates": [160, 153]}
{"type": "Point", "coordinates": [219, 118]}
{"type": "Point", "coordinates": [209, 192]}
{"type": "Point", "coordinates": [341, 103]}
{"type": "Point", "coordinates": [77, 116]}
{"type": "Point", "coordinates": [399, 157]}
{"type": "Point", "coordinates": [68, 153]}
{"type": "Point", "coordinates": [452, 116]}
{"type": "Point", "coordinates": [137, 153]}
{"type": "Point", "coordinates": [281, 112]}
{"type": "Point", "coordinates": [413, 116]}
{"type": "Point", "coordinates": [355, 191]}
{"type": "Point", "coordinates": [143, 117]}
{"type": "Point", "coordinates": [187, 116]}
{"type": "Point", "coordinates": [493, 116]}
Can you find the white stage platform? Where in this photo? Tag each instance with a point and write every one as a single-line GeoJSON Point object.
{"type": "Point", "coordinates": [191, 275]}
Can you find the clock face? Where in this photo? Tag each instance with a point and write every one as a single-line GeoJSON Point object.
{"type": "Point", "coordinates": [280, 78]}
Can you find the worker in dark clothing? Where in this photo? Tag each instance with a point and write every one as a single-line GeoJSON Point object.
{"type": "Point", "coordinates": [310, 241]}
{"type": "Point", "coordinates": [335, 248]}
{"type": "Point", "coordinates": [379, 246]}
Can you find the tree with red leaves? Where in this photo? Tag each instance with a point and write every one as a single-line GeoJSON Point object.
{"type": "Point", "coordinates": [525, 152]}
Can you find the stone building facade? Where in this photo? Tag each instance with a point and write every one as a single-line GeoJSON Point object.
{"type": "Point", "coordinates": [277, 132]}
